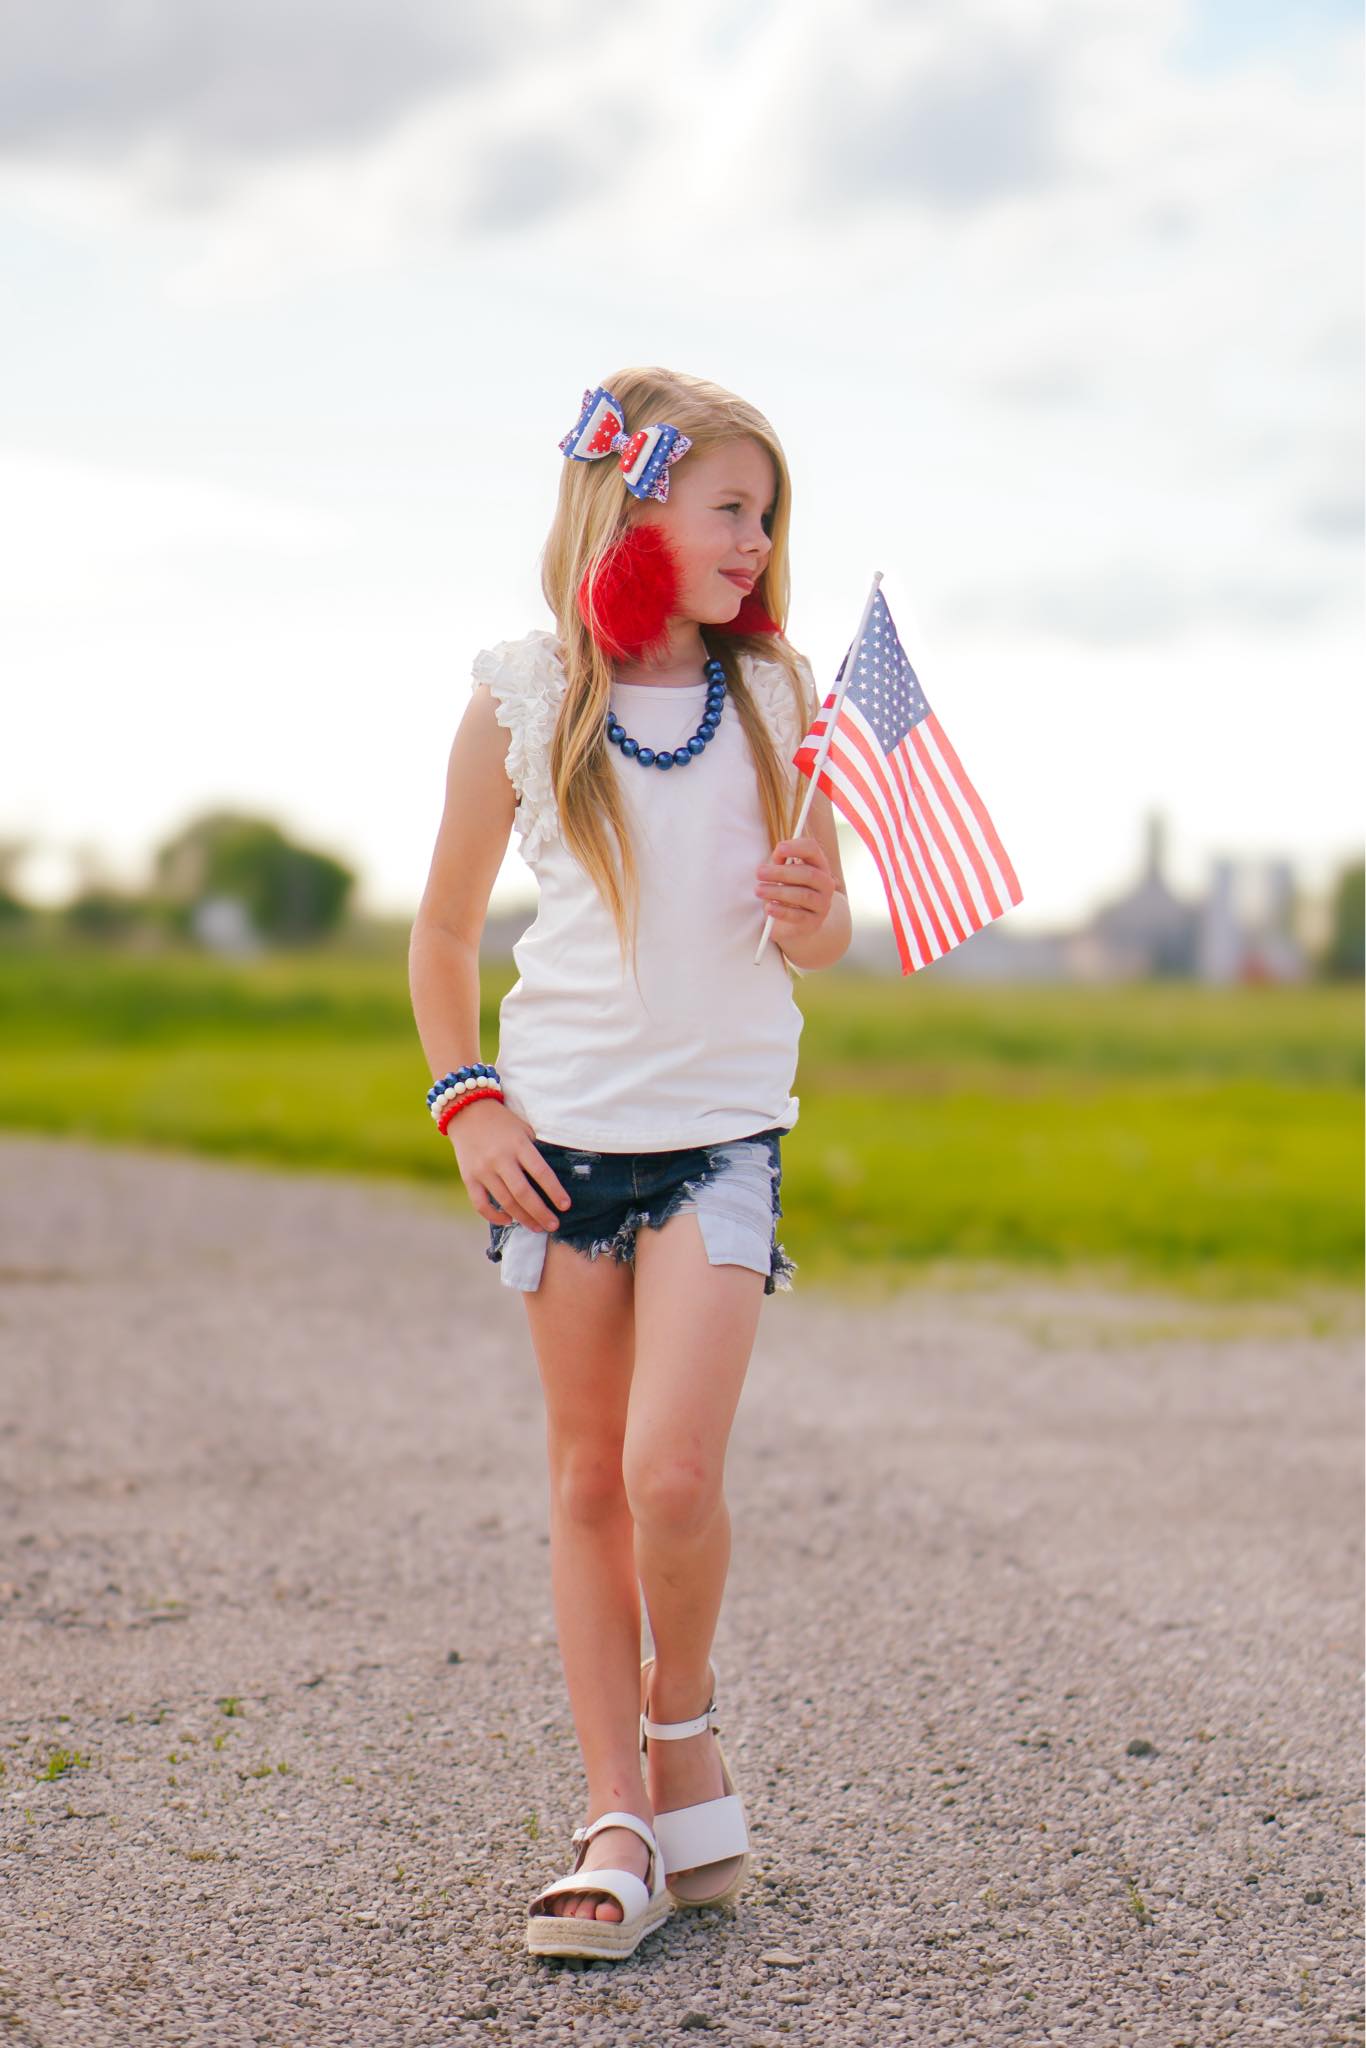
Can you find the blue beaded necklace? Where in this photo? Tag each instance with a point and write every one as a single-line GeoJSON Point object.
{"type": "Point", "coordinates": [680, 756]}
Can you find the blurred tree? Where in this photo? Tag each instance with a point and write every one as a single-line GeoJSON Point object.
{"type": "Point", "coordinates": [290, 893]}
{"type": "Point", "coordinates": [1344, 956]}
{"type": "Point", "coordinates": [12, 852]}
{"type": "Point", "coordinates": [100, 911]}
{"type": "Point", "coordinates": [14, 910]}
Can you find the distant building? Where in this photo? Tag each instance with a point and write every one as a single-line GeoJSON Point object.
{"type": "Point", "coordinates": [1251, 942]}
{"type": "Point", "coordinates": [1149, 933]}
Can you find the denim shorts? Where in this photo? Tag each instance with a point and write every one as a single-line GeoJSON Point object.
{"type": "Point", "coordinates": [733, 1187]}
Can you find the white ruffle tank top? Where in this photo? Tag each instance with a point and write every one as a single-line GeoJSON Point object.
{"type": "Point", "coordinates": [705, 1049]}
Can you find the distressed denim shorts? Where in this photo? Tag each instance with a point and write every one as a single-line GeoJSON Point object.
{"type": "Point", "coordinates": [734, 1189]}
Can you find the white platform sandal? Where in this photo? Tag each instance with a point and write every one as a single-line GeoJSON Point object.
{"type": "Point", "coordinates": [643, 1905]}
{"type": "Point", "coordinates": [706, 1847]}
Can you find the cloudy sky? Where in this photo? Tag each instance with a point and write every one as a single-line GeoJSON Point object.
{"type": "Point", "coordinates": [1055, 304]}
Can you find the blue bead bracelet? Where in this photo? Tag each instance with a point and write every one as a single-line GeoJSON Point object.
{"type": "Point", "coordinates": [451, 1086]}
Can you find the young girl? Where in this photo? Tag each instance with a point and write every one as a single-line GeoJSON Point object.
{"type": "Point", "coordinates": [625, 1150]}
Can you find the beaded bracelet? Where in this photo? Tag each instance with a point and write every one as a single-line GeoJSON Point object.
{"type": "Point", "coordinates": [455, 1091]}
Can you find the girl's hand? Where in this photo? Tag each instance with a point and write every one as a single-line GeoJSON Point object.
{"type": "Point", "coordinates": [500, 1166]}
{"type": "Point", "coordinates": [798, 895]}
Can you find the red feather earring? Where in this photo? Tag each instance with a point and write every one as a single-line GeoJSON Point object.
{"type": "Point", "coordinates": [628, 603]}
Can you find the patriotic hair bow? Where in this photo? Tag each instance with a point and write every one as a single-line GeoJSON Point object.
{"type": "Point", "coordinates": [645, 456]}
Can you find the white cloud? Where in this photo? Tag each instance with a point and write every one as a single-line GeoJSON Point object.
{"type": "Point", "coordinates": [78, 533]}
{"type": "Point", "coordinates": [232, 80]}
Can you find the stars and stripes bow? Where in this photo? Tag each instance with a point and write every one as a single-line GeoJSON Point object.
{"type": "Point", "coordinates": [645, 455]}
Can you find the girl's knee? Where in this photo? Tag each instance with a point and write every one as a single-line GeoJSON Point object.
{"type": "Point", "coordinates": [586, 1481]}
{"type": "Point", "coordinates": [671, 1496]}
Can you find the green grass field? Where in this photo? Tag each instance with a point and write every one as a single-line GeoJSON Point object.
{"type": "Point", "coordinates": [1204, 1140]}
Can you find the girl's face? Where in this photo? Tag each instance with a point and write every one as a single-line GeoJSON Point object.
{"type": "Point", "coordinates": [716, 517]}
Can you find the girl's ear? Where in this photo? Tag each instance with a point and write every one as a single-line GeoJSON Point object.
{"type": "Point", "coordinates": [751, 618]}
{"type": "Point", "coordinates": [626, 605]}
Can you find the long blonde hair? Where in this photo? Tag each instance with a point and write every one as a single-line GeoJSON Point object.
{"type": "Point", "coordinates": [593, 511]}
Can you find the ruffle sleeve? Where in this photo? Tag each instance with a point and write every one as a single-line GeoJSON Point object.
{"type": "Point", "coordinates": [772, 690]}
{"type": "Point", "coordinates": [527, 680]}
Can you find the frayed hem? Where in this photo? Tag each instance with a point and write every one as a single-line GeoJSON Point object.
{"type": "Point", "coordinates": [621, 1245]}
{"type": "Point", "coordinates": [782, 1271]}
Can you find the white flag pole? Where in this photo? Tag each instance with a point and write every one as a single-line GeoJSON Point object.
{"type": "Point", "coordinates": [826, 737]}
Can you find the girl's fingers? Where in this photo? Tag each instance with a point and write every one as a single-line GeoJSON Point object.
{"type": "Point", "coordinates": [790, 902]}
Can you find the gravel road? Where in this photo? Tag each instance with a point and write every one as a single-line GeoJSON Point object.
{"type": "Point", "coordinates": [1040, 1660]}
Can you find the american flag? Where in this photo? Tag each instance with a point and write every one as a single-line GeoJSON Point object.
{"type": "Point", "coordinates": [892, 772]}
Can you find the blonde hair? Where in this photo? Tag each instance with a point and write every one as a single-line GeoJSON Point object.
{"type": "Point", "coordinates": [592, 513]}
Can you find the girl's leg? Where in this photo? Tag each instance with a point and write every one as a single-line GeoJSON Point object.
{"type": "Point", "coordinates": [582, 1331]}
{"type": "Point", "coordinates": [695, 1327]}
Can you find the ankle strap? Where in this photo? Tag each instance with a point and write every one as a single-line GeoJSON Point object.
{"type": "Point", "coordinates": [678, 1731]}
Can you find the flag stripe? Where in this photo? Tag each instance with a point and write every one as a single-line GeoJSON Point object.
{"type": "Point", "coordinates": [962, 887]}
{"type": "Point", "coordinates": [964, 825]}
{"type": "Point", "coordinates": [870, 798]}
{"type": "Point", "coordinates": [979, 810]}
{"type": "Point", "coordinates": [873, 829]}
{"type": "Point", "coordinates": [855, 731]}
{"type": "Point", "coordinates": [908, 954]}
{"type": "Point", "coordinates": [963, 828]}
{"type": "Point", "coordinates": [917, 800]}
{"type": "Point", "coordinates": [895, 822]}
{"type": "Point", "coordinates": [900, 803]}
{"type": "Point", "coordinates": [843, 801]}
{"type": "Point", "coordinates": [879, 836]}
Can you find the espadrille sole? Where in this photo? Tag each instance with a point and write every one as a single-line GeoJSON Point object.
{"type": "Point", "coordinates": [574, 1934]}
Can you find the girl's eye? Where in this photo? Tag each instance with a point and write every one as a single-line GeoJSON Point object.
{"type": "Point", "coordinates": [766, 522]}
